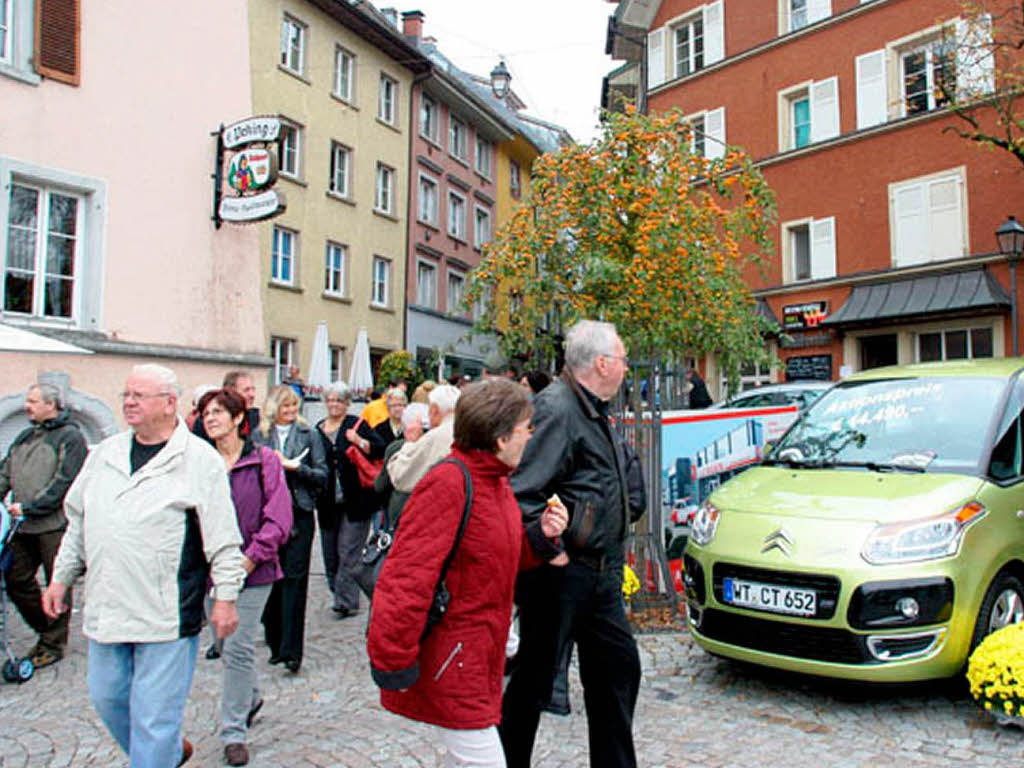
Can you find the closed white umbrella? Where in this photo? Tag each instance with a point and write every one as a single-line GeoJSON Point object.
{"type": "Point", "coordinates": [320, 366]}
{"type": "Point", "coordinates": [360, 377]}
{"type": "Point", "coordinates": [20, 340]}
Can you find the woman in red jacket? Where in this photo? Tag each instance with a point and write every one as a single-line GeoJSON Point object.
{"type": "Point", "coordinates": [452, 678]}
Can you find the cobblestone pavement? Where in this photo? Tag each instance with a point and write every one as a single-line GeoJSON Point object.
{"type": "Point", "coordinates": [693, 710]}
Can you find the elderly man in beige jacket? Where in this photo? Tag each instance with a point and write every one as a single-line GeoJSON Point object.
{"type": "Point", "coordinates": [413, 460]}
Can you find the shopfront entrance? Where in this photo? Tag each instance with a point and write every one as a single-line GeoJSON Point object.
{"type": "Point", "coordinates": [876, 351]}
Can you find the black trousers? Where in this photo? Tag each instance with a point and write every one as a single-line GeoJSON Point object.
{"type": "Point", "coordinates": [284, 615]}
{"type": "Point", "coordinates": [28, 552]}
{"type": "Point", "coordinates": [556, 607]}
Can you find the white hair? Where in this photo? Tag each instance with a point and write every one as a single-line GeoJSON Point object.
{"type": "Point", "coordinates": [587, 340]}
{"type": "Point", "coordinates": [397, 394]}
{"type": "Point", "coordinates": [161, 373]}
{"type": "Point", "coordinates": [444, 397]}
{"type": "Point", "coordinates": [50, 393]}
{"type": "Point", "coordinates": [339, 389]}
{"type": "Point", "coordinates": [202, 389]}
{"type": "Point", "coordinates": [414, 412]}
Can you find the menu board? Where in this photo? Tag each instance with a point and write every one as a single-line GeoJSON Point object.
{"type": "Point", "coordinates": [817, 367]}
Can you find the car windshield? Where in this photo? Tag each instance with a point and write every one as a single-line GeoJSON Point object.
{"type": "Point", "coordinates": [922, 424]}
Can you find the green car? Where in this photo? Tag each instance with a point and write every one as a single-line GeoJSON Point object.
{"type": "Point", "coordinates": [883, 535]}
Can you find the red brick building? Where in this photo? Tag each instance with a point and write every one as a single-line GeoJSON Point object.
{"type": "Point", "coordinates": [885, 245]}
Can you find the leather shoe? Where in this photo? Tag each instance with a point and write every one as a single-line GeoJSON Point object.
{"type": "Point", "coordinates": [293, 665]}
{"type": "Point", "coordinates": [213, 652]}
{"type": "Point", "coordinates": [253, 712]}
{"type": "Point", "coordinates": [236, 754]}
{"type": "Point", "coordinates": [275, 659]}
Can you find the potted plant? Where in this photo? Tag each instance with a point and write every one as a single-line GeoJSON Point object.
{"type": "Point", "coordinates": [996, 674]}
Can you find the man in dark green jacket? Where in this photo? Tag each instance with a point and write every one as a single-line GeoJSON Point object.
{"type": "Point", "coordinates": [39, 468]}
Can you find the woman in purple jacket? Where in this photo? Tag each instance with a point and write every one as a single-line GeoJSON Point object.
{"type": "Point", "coordinates": [264, 508]}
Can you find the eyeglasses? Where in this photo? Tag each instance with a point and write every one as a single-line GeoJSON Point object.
{"type": "Point", "coordinates": [528, 429]}
{"type": "Point", "coordinates": [125, 396]}
{"type": "Point", "coordinates": [623, 358]}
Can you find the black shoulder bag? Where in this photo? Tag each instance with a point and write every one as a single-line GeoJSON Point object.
{"type": "Point", "coordinates": [379, 544]}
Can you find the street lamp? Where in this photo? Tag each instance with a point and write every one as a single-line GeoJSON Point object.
{"type": "Point", "coordinates": [1010, 237]}
{"type": "Point", "coordinates": [500, 80]}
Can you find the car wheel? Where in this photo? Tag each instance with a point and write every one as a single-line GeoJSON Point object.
{"type": "Point", "coordinates": [1003, 605]}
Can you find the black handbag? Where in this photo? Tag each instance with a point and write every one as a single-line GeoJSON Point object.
{"type": "Point", "coordinates": [379, 544]}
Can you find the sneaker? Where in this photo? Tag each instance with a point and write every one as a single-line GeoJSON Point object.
{"type": "Point", "coordinates": [253, 712]}
{"type": "Point", "coordinates": [186, 751]}
{"type": "Point", "coordinates": [236, 754]}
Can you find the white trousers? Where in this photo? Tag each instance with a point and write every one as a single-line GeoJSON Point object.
{"type": "Point", "coordinates": [472, 749]}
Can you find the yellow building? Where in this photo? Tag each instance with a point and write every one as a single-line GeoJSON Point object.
{"type": "Point", "coordinates": [340, 79]}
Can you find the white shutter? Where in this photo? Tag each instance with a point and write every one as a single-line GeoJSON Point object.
{"type": "Point", "coordinates": [818, 10]}
{"type": "Point", "coordinates": [714, 33]}
{"type": "Point", "coordinates": [975, 65]}
{"type": "Point", "coordinates": [911, 226]}
{"type": "Point", "coordinates": [656, 58]}
{"type": "Point", "coordinates": [871, 100]}
{"type": "Point", "coordinates": [945, 223]}
{"type": "Point", "coordinates": [714, 133]}
{"type": "Point", "coordinates": [823, 248]}
{"type": "Point", "coordinates": [825, 109]}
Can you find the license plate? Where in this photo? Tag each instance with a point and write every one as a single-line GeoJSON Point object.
{"type": "Point", "coordinates": [769, 597]}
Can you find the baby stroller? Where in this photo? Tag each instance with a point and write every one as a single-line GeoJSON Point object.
{"type": "Point", "coordinates": [14, 670]}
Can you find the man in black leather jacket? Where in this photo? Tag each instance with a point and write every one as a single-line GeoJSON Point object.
{"type": "Point", "coordinates": [573, 453]}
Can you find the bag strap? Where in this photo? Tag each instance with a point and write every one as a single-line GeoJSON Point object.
{"type": "Point", "coordinates": [465, 516]}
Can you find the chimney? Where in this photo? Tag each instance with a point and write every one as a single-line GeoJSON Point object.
{"type": "Point", "coordinates": [412, 24]}
{"type": "Point", "coordinates": [391, 14]}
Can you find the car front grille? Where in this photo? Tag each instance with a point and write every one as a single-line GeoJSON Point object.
{"type": "Point", "coordinates": [826, 587]}
{"type": "Point", "coordinates": [800, 641]}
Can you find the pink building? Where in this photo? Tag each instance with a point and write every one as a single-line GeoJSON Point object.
{"type": "Point", "coordinates": [106, 199]}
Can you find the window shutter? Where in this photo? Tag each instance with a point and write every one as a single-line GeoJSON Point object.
{"type": "Point", "coordinates": [871, 101]}
{"type": "Point", "coordinates": [823, 248]}
{"type": "Point", "coordinates": [818, 10]}
{"type": "Point", "coordinates": [58, 40]}
{"type": "Point", "coordinates": [656, 58]}
{"type": "Point", "coordinates": [825, 109]}
{"type": "Point", "coordinates": [975, 65]}
{"type": "Point", "coordinates": [945, 223]}
{"type": "Point", "coordinates": [714, 134]}
{"type": "Point", "coordinates": [714, 33]}
{"type": "Point", "coordinates": [911, 222]}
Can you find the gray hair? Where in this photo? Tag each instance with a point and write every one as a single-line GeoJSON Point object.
{"type": "Point", "coordinates": [50, 394]}
{"type": "Point", "coordinates": [444, 397]}
{"type": "Point", "coordinates": [414, 412]}
{"type": "Point", "coordinates": [202, 389]}
{"type": "Point", "coordinates": [161, 373]}
{"type": "Point", "coordinates": [398, 394]}
{"type": "Point", "coordinates": [339, 389]}
{"type": "Point", "coordinates": [587, 340]}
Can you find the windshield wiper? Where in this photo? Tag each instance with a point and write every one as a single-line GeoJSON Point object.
{"type": "Point", "coordinates": [874, 466]}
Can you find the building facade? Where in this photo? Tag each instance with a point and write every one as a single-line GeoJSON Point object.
{"type": "Point", "coordinates": [340, 78]}
{"type": "Point", "coordinates": [885, 246]}
{"type": "Point", "coordinates": [106, 202]}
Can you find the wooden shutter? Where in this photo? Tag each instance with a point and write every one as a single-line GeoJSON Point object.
{"type": "Point", "coordinates": [911, 225]}
{"type": "Point", "coordinates": [714, 33]}
{"type": "Point", "coordinates": [714, 133]}
{"type": "Point", "coordinates": [871, 101]}
{"type": "Point", "coordinates": [825, 109]}
{"type": "Point", "coordinates": [58, 40]}
{"type": "Point", "coordinates": [656, 58]}
{"type": "Point", "coordinates": [823, 248]}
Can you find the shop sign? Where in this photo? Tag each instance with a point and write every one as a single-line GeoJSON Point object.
{"type": "Point", "coordinates": [252, 169]}
{"type": "Point", "coordinates": [817, 367]}
{"type": "Point", "coordinates": [252, 207]}
{"type": "Point", "coordinates": [806, 315]}
{"type": "Point", "coordinates": [250, 131]}
{"type": "Point", "coordinates": [799, 339]}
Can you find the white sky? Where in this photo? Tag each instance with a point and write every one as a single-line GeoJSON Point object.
{"type": "Point", "coordinates": [553, 48]}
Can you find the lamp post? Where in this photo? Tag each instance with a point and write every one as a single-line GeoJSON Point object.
{"type": "Point", "coordinates": [1010, 237]}
{"type": "Point", "coordinates": [500, 80]}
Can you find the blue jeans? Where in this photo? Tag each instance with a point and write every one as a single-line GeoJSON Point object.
{"type": "Point", "coordinates": [140, 690]}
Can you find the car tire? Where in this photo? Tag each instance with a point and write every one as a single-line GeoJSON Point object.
{"type": "Point", "coordinates": [1003, 605]}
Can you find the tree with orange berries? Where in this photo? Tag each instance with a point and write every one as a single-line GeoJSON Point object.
{"type": "Point", "coordinates": [637, 229]}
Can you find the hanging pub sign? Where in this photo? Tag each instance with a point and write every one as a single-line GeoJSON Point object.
{"type": "Point", "coordinates": [243, 179]}
{"type": "Point", "coordinates": [806, 315]}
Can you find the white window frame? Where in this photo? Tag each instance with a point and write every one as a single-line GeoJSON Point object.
{"type": "Point", "coordinates": [387, 100]}
{"type": "Point", "coordinates": [430, 129]}
{"type": "Point", "coordinates": [380, 282]}
{"type": "Point", "coordinates": [515, 180]}
{"type": "Point", "coordinates": [285, 58]}
{"type": "Point", "coordinates": [451, 301]}
{"type": "Point", "coordinates": [762, 374]}
{"type": "Point", "coordinates": [813, 12]}
{"type": "Point", "coordinates": [7, 27]}
{"type": "Point", "coordinates": [290, 128]}
{"type": "Point", "coordinates": [336, 362]}
{"type": "Point", "coordinates": [277, 238]}
{"type": "Point", "coordinates": [822, 98]}
{"type": "Point", "coordinates": [480, 238]}
{"type": "Point", "coordinates": [336, 270]}
{"type": "Point", "coordinates": [928, 229]}
{"type": "Point", "coordinates": [662, 49]}
{"type": "Point", "coordinates": [458, 138]}
{"type": "Point", "coordinates": [456, 224]}
{"type": "Point", "coordinates": [344, 80]}
{"type": "Point", "coordinates": [282, 352]}
{"type": "Point", "coordinates": [821, 245]}
{"type": "Point", "coordinates": [484, 156]}
{"type": "Point", "coordinates": [39, 257]}
{"type": "Point", "coordinates": [692, 63]}
{"type": "Point", "coordinates": [942, 332]}
{"type": "Point", "coordinates": [340, 187]}
{"type": "Point", "coordinates": [711, 124]}
{"type": "Point", "coordinates": [384, 189]}
{"type": "Point", "coordinates": [928, 47]}
{"type": "Point", "coordinates": [422, 213]}
{"type": "Point", "coordinates": [426, 293]}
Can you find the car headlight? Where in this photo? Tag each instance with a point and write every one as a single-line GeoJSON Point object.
{"type": "Point", "coordinates": [705, 523]}
{"type": "Point", "coordinates": [927, 539]}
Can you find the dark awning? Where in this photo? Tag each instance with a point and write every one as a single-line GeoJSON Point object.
{"type": "Point", "coordinates": [765, 311]}
{"type": "Point", "coordinates": [947, 294]}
